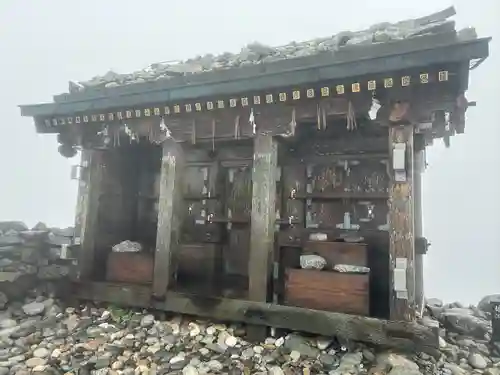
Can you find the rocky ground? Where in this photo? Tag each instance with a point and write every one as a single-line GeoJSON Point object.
{"type": "Point", "coordinates": [42, 335]}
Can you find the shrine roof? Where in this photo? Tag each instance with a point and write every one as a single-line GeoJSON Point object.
{"type": "Point", "coordinates": [381, 48]}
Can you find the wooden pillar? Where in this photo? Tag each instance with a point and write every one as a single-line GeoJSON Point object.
{"type": "Point", "coordinates": [170, 211]}
{"type": "Point", "coordinates": [263, 219]}
{"type": "Point", "coordinates": [419, 258]}
{"type": "Point", "coordinates": [401, 221]}
{"type": "Point", "coordinates": [86, 226]}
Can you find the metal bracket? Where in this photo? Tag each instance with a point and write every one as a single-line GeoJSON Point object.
{"type": "Point", "coordinates": [421, 245]}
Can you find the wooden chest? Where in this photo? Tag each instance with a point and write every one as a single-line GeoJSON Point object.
{"type": "Point", "coordinates": [329, 291]}
{"type": "Point", "coordinates": [136, 268]}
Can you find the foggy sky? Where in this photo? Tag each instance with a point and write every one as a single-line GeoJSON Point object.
{"type": "Point", "coordinates": [44, 44]}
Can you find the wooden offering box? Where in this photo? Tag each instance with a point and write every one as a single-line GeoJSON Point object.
{"type": "Point", "coordinates": [329, 291]}
{"type": "Point", "coordinates": [130, 268]}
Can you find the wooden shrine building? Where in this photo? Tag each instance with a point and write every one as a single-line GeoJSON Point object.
{"type": "Point", "coordinates": [278, 187]}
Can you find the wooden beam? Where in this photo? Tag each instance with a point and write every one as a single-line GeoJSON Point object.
{"type": "Point", "coordinates": [263, 217]}
{"type": "Point", "coordinates": [170, 210]}
{"type": "Point", "coordinates": [401, 221]}
{"type": "Point", "coordinates": [89, 193]}
{"type": "Point", "coordinates": [401, 335]}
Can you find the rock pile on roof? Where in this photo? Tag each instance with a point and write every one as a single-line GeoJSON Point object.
{"type": "Point", "coordinates": [257, 53]}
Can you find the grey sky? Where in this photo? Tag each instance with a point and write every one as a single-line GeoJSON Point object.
{"type": "Point", "coordinates": [43, 44]}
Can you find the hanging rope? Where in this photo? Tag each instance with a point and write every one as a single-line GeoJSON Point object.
{"type": "Point", "coordinates": [193, 132]}
{"type": "Point", "coordinates": [351, 117]}
{"type": "Point", "coordinates": [293, 122]}
{"type": "Point", "coordinates": [237, 127]}
{"type": "Point", "coordinates": [116, 137]}
{"type": "Point", "coordinates": [318, 117]}
{"type": "Point", "coordinates": [323, 116]}
{"type": "Point", "coordinates": [213, 134]}
{"type": "Point", "coordinates": [251, 121]}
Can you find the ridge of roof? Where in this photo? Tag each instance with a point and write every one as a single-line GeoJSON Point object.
{"type": "Point", "coordinates": [257, 53]}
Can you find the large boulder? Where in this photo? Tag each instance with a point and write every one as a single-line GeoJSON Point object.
{"type": "Point", "coordinates": [485, 303]}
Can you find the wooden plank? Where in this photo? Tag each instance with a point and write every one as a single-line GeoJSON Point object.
{"type": "Point", "coordinates": [401, 231]}
{"type": "Point", "coordinates": [329, 291]}
{"type": "Point", "coordinates": [89, 194]}
{"type": "Point", "coordinates": [169, 216]}
{"type": "Point", "coordinates": [401, 335]}
{"type": "Point", "coordinates": [263, 217]}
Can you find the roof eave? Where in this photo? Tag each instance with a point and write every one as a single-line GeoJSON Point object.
{"type": "Point", "coordinates": [453, 52]}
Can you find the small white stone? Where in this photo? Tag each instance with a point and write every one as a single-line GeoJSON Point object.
{"type": "Point", "coordinates": [231, 341]}
{"type": "Point", "coordinates": [211, 331]}
{"type": "Point", "coordinates": [258, 349]}
{"type": "Point", "coordinates": [41, 353]}
{"type": "Point", "coordinates": [270, 341]}
{"type": "Point", "coordinates": [118, 365]}
{"type": "Point", "coordinates": [39, 368]}
{"type": "Point", "coordinates": [34, 362]}
{"type": "Point", "coordinates": [190, 370]}
{"type": "Point", "coordinates": [294, 355]}
{"type": "Point", "coordinates": [194, 329]}
{"type": "Point", "coordinates": [442, 343]}
{"type": "Point", "coordinates": [279, 342]}
{"type": "Point", "coordinates": [323, 343]}
{"type": "Point", "coordinates": [56, 353]}
{"type": "Point", "coordinates": [178, 358]}
{"type": "Point", "coordinates": [477, 361]}
{"type": "Point", "coordinates": [204, 351]}
{"type": "Point", "coordinates": [215, 365]}
{"type": "Point", "coordinates": [276, 370]}
{"type": "Point", "coordinates": [33, 308]}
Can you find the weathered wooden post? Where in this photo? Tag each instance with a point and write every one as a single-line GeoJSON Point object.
{"type": "Point", "coordinates": [401, 224]}
{"type": "Point", "coordinates": [87, 210]}
{"type": "Point", "coordinates": [418, 214]}
{"type": "Point", "coordinates": [263, 219]}
{"type": "Point", "coordinates": [169, 216]}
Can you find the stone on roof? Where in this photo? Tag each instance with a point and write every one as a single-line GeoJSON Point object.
{"type": "Point", "coordinates": [257, 53]}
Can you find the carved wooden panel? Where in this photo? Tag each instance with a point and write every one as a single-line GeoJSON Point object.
{"type": "Point", "coordinates": [348, 175]}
